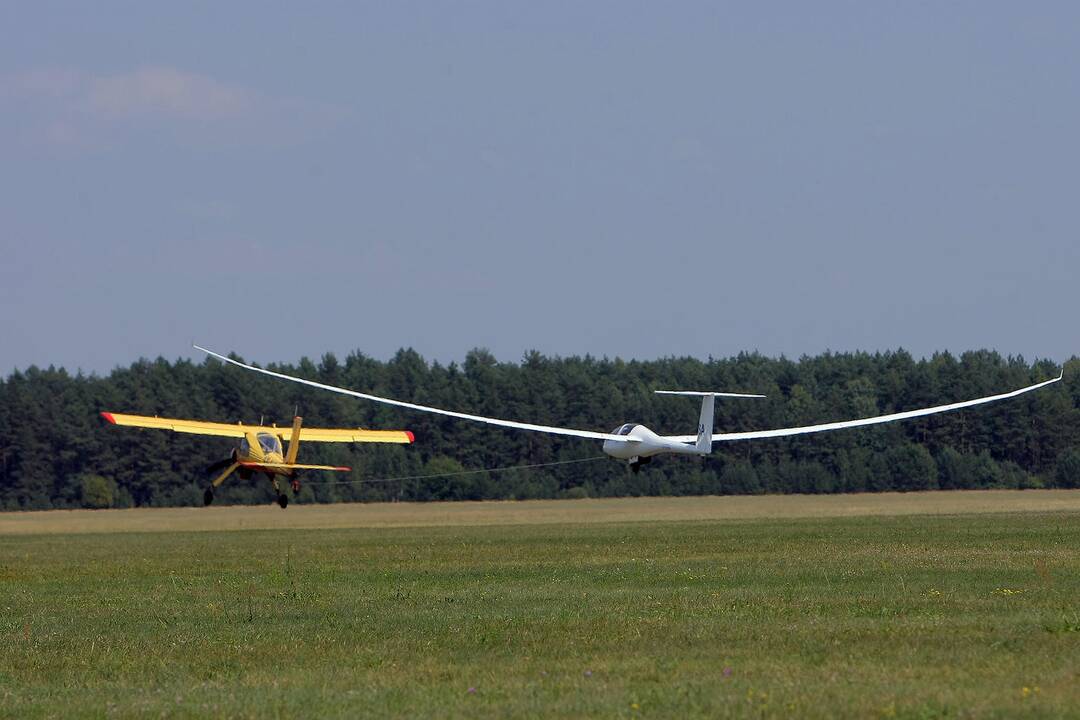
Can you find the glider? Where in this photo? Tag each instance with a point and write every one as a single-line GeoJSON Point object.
{"type": "Point", "coordinates": [636, 443]}
{"type": "Point", "coordinates": [260, 447]}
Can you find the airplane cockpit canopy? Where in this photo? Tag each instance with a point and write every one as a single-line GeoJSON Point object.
{"type": "Point", "coordinates": [269, 444]}
{"type": "Point", "coordinates": [624, 429]}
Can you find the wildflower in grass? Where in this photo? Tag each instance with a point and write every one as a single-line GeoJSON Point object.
{"type": "Point", "coordinates": [1029, 691]}
{"type": "Point", "coordinates": [588, 673]}
{"type": "Point", "coordinates": [1007, 591]}
{"type": "Point", "coordinates": [933, 592]}
{"type": "Point", "coordinates": [471, 691]}
{"type": "Point", "coordinates": [727, 672]}
{"type": "Point", "coordinates": [635, 706]}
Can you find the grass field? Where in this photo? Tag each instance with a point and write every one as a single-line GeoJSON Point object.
{"type": "Point", "coordinates": [919, 605]}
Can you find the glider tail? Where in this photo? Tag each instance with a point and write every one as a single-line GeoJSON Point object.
{"type": "Point", "coordinates": [703, 446]}
{"type": "Point", "coordinates": [705, 425]}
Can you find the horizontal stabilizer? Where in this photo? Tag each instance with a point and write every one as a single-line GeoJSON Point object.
{"type": "Point", "coordinates": [697, 393]}
{"type": "Point", "coordinates": [291, 466]}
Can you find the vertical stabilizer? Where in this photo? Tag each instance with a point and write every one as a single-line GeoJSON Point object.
{"type": "Point", "coordinates": [705, 425]}
{"type": "Point", "coordinates": [703, 446]}
{"type": "Point", "coordinates": [294, 441]}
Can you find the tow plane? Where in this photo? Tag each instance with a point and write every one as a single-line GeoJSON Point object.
{"type": "Point", "coordinates": [636, 443]}
{"type": "Point", "coordinates": [260, 448]}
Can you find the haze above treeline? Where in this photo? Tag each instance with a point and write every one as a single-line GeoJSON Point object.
{"type": "Point", "coordinates": [630, 179]}
{"type": "Point", "coordinates": [56, 452]}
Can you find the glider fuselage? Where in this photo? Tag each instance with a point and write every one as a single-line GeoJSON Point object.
{"type": "Point", "coordinates": [641, 442]}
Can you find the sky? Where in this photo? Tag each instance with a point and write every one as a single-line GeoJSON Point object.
{"type": "Point", "coordinates": [634, 180]}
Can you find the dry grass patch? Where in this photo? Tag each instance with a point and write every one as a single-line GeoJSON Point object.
{"type": "Point", "coordinates": [538, 512]}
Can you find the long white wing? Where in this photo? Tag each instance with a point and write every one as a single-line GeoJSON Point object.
{"type": "Point", "coordinates": [782, 432]}
{"type": "Point", "coordinates": [424, 408]}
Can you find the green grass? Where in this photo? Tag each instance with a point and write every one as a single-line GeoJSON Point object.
{"type": "Point", "coordinates": [924, 617]}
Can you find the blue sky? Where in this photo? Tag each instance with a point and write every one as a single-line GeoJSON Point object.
{"type": "Point", "coordinates": [622, 179]}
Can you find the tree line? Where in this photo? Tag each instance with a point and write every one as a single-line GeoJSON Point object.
{"type": "Point", "coordinates": [56, 451]}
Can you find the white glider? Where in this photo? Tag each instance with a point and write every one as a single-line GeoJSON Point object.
{"type": "Point", "coordinates": [637, 443]}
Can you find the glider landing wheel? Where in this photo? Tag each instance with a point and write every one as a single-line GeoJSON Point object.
{"type": "Point", "coordinates": [208, 496]}
{"type": "Point", "coordinates": [283, 500]}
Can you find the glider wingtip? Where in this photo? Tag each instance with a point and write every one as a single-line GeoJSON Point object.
{"type": "Point", "coordinates": [208, 351]}
{"type": "Point", "coordinates": [409, 434]}
{"type": "Point", "coordinates": [217, 355]}
{"type": "Point", "coordinates": [109, 416]}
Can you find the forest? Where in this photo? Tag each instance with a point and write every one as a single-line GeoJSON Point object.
{"type": "Point", "coordinates": [57, 452]}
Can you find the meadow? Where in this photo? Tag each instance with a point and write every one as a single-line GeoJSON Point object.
{"type": "Point", "coordinates": [921, 605]}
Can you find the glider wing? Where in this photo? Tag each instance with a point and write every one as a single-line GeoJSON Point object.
{"type": "Point", "coordinates": [783, 432]}
{"type": "Point", "coordinates": [424, 408]}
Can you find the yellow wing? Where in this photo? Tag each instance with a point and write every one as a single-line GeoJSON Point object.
{"type": "Point", "coordinates": [359, 435]}
{"type": "Point", "coordinates": [307, 434]}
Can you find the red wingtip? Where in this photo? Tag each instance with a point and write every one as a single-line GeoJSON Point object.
{"type": "Point", "coordinates": [109, 416]}
{"type": "Point", "coordinates": [343, 469]}
{"type": "Point", "coordinates": [412, 438]}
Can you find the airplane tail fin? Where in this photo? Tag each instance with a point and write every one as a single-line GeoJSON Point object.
{"type": "Point", "coordinates": [705, 423]}
{"type": "Point", "coordinates": [294, 441]}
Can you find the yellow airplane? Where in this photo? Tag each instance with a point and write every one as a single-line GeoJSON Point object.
{"type": "Point", "coordinates": [260, 446]}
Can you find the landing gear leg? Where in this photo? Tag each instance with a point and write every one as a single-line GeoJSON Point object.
{"type": "Point", "coordinates": [282, 498]}
{"type": "Point", "coordinates": [637, 462]}
{"type": "Point", "coordinates": [208, 495]}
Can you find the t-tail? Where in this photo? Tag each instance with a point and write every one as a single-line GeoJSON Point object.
{"type": "Point", "coordinates": [705, 425]}
{"type": "Point", "coordinates": [703, 446]}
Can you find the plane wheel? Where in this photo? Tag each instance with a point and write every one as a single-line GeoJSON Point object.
{"type": "Point", "coordinates": [208, 496]}
{"type": "Point", "coordinates": [283, 500]}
